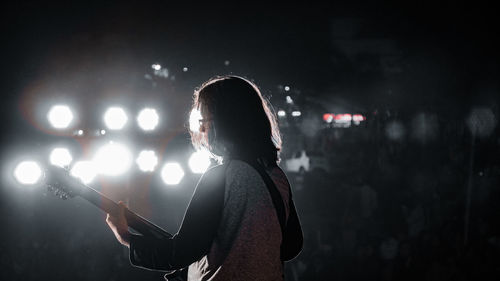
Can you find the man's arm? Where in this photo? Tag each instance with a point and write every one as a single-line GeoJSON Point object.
{"type": "Point", "coordinates": [196, 233]}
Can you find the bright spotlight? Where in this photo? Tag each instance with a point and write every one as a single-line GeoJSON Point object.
{"type": "Point", "coordinates": [199, 161]}
{"type": "Point", "coordinates": [113, 159]}
{"type": "Point", "coordinates": [60, 157]}
{"type": "Point", "coordinates": [156, 66]}
{"type": "Point", "coordinates": [296, 113]}
{"type": "Point", "coordinates": [60, 116]}
{"type": "Point", "coordinates": [289, 99]}
{"type": "Point", "coordinates": [84, 170]}
{"type": "Point", "coordinates": [287, 88]}
{"type": "Point", "coordinates": [115, 118]}
{"type": "Point", "coordinates": [148, 119]}
{"type": "Point", "coordinates": [281, 113]}
{"type": "Point", "coordinates": [28, 172]}
{"type": "Point", "coordinates": [194, 120]}
{"type": "Point", "coordinates": [103, 132]}
{"type": "Point", "coordinates": [172, 173]}
{"type": "Point", "coordinates": [147, 161]}
{"type": "Point", "coordinates": [185, 69]}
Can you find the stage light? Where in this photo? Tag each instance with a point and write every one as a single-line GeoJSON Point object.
{"type": "Point", "coordinates": [147, 161]}
{"type": "Point", "coordinates": [79, 132]}
{"type": "Point", "coordinates": [156, 66]}
{"type": "Point", "coordinates": [28, 172]}
{"type": "Point", "coordinates": [358, 118]}
{"type": "Point", "coordinates": [115, 118]}
{"type": "Point", "coordinates": [148, 119]}
{"type": "Point", "coordinates": [172, 173]}
{"type": "Point", "coordinates": [194, 120]}
{"type": "Point", "coordinates": [199, 161]}
{"type": "Point", "coordinates": [84, 170]}
{"type": "Point", "coordinates": [296, 113]}
{"type": "Point", "coordinates": [60, 157]}
{"type": "Point", "coordinates": [103, 132]}
{"type": "Point", "coordinates": [60, 116]}
{"type": "Point", "coordinates": [185, 69]}
{"type": "Point", "coordinates": [281, 113]}
{"type": "Point", "coordinates": [287, 88]}
{"type": "Point", "coordinates": [289, 99]}
{"type": "Point", "coordinates": [113, 159]}
{"type": "Point", "coordinates": [328, 117]}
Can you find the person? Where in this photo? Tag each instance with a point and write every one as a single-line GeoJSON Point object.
{"type": "Point", "coordinates": [231, 229]}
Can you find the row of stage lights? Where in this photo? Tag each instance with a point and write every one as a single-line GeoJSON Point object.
{"type": "Point", "coordinates": [112, 159]}
{"type": "Point", "coordinates": [115, 118]}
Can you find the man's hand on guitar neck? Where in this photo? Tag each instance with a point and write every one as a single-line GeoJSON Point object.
{"type": "Point", "coordinates": [119, 225]}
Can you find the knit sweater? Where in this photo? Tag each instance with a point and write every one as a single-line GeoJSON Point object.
{"type": "Point", "coordinates": [230, 230]}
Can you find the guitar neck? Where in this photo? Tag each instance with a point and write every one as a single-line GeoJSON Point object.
{"type": "Point", "coordinates": [136, 222]}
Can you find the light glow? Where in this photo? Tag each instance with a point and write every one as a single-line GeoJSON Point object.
{"type": "Point", "coordinates": [113, 159]}
{"type": "Point", "coordinates": [147, 160]}
{"type": "Point", "coordinates": [194, 120]}
{"type": "Point", "coordinates": [328, 117]}
{"type": "Point", "coordinates": [358, 118]}
{"type": "Point", "coordinates": [115, 118]}
{"type": "Point", "coordinates": [148, 119]}
{"type": "Point", "coordinates": [172, 173]}
{"type": "Point", "coordinates": [199, 161]}
{"type": "Point", "coordinates": [281, 113]}
{"type": "Point", "coordinates": [296, 113]}
{"type": "Point", "coordinates": [60, 116]}
{"type": "Point", "coordinates": [28, 172]}
{"type": "Point", "coordinates": [60, 157]}
{"type": "Point", "coordinates": [84, 170]}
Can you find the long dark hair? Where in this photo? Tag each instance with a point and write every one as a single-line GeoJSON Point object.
{"type": "Point", "coordinates": [243, 123]}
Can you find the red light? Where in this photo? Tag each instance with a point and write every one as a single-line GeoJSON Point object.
{"type": "Point", "coordinates": [343, 117]}
{"type": "Point", "coordinates": [358, 118]}
{"type": "Point", "coordinates": [328, 117]}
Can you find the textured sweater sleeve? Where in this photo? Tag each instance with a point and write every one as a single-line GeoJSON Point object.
{"type": "Point", "coordinates": [196, 233]}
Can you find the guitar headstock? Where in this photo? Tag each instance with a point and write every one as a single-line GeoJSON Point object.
{"type": "Point", "coordinates": [60, 182]}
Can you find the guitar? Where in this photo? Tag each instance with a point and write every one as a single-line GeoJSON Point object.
{"type": "Point", "coordinates": [59, 181]}
{"type": "Point", "coordinates": [62, 184]}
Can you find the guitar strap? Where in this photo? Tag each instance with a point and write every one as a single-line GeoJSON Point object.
{"type": "Point", "coordinates": [278, 203]}
{"type": "Point", "coordinates": [275, 194]}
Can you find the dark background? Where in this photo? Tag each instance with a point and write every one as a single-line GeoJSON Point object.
{"type": "Point", "coordinates": [429, 67]}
